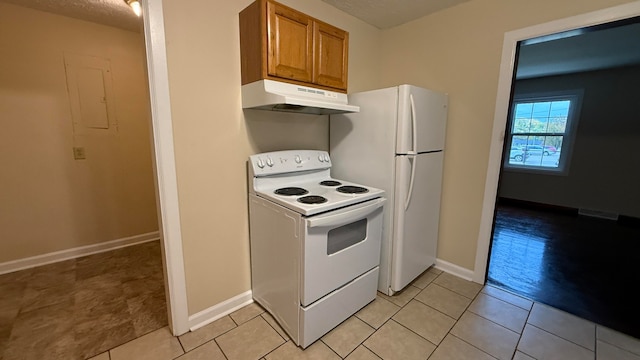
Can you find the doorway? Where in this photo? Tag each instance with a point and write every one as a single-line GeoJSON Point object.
{"type": "Point", "coordinates": [73, 191]}
{"type": "Point", "coordinates": [546, 243]}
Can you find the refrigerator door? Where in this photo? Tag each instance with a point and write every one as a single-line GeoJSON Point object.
{"type": "Point", "coordinates": [416, 214]}
{"type": "Point", "coordinates": [422, 117]}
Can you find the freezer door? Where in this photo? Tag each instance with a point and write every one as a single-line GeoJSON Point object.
{"type": "Point", "coordinates": [416, 215]}
{"type": "Point", "coordinates": [422, 117]}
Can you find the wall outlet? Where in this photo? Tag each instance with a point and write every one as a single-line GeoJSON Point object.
{"type": "Point", "coordinates": [79, 153]}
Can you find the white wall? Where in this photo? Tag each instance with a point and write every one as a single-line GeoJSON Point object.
{"type": "Point", "coordinates": [603, 173]}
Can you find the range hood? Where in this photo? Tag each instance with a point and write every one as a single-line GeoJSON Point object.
{"type": "Point", "coordinates": [280, 96]}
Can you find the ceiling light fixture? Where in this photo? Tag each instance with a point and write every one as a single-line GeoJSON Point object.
{"type": "Point", "coordinates": [135, 6]}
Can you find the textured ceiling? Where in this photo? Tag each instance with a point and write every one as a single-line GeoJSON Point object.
{"type": "Point", "coordinates": [114, 13]}
{"type": "Point", "coordinates": [385, 14]}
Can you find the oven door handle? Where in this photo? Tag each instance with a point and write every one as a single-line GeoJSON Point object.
{"type": "Point", "coordinates": [343, 218]}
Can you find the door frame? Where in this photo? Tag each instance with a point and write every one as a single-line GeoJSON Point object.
{"type": "Point", "coordinates": [503, 99]}
{"type": "Point", "coordinates": [165, 167]}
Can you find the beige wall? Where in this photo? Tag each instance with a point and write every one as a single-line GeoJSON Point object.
{"type": "Point", "coordinates": [213, 136]}
{"type": "Point", "coordinates": [456, 51]}
{"type": "Point", "coordinates": [48, 200]}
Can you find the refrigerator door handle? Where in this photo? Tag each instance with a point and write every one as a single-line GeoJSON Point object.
{"type": "Point", "coordinates": [414, 126]}
{"type": "Point", "coordinates": [412, 161]}
{"type": "Point", "coordinates": [413, 152]}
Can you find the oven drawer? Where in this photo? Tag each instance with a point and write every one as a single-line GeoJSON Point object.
{"type": "Point", "coordinates": [339, 246]}
{"type": "Point", "coordinates": [325, 314]}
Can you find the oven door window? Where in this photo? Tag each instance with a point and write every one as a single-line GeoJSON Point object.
{"type": "Point", "coordinates": [347, 235]}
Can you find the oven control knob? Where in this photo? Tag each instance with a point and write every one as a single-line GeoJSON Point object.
{"type": "Point", "coordinates": [298, 159]}
{"type": "Point", "coordinates": [269, 162]}
{"type": "Point", "coordinates": [326, 158]}
{"type": "Point", "coordinates": [260, 163]}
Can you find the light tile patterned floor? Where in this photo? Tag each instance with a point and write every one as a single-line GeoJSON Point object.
{"type": "Point", "coordinates": [438, 317]}
{"type": "Point", "coordinates": [81, 307]}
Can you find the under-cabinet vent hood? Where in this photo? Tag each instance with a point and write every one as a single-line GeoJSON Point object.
{"type": "Point", "coordinates": [281, 96]}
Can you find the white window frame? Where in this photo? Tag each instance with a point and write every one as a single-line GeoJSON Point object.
{"type": "Point", "coordinates": [575, 96]}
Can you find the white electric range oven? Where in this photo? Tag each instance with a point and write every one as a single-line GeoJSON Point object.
{"type": "Point", "coordinates": [315, 242]}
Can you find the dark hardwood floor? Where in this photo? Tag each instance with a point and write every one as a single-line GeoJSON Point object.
{"type": "Point", "coordinates": [583, 265]}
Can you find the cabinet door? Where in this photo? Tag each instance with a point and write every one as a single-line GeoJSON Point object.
{"type": "Point", "coordinates": [290, 43]}
{"type": "Point", "coordinates": [331, 51]}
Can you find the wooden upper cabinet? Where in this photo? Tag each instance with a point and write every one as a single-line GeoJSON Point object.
{"type": "Point", "coordinates": [290, 44]}
{"type": "Point", "coordinates": [330, 55]}
{"type": "Point", "coordinates": [280, 43]}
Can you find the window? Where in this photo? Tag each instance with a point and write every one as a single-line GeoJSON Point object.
{"type": "Point", "coordinates": [541, 132]}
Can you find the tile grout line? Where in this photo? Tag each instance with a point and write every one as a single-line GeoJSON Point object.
{"type": "Point", "coordinates": [526, 321]}
{"type": "Point", "coordinates": [184, 351]}
{"type": "Point", "coordinates": [220, 347]}
{"type": "Point", "coordinates": [373, 352]}
{"type": "Point", "coordinates": [361, 342]}
{"type": "Point", "coordinates": [560, 337]}
{"type": "Point", "coordinates": [330, 348]}
{"type": "Point", "coordinates": [470, 344]}
{"type": "Point", "coordinates": [504, 327]}
{"type": "Point", "coordinates": [276, 348]}
{"type": "Point", "coordinates": [615, 345]}
{"type": "Point", "coordinates": [448, 332]}
{"type": "Point", "coordinates": [456, 320]}
{"type": "Point", "coordinates": [276, 330]}
{"type": "Point", "coordinates": [510, 293]}
{"type": "Point", "coordinates": [400, 307]}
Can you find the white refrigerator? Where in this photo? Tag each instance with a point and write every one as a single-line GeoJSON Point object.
{"type": "Point", "coordinates": [396, 143]}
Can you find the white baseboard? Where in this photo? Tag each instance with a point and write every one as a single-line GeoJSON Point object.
{"type": "Point", "coordinates": [44, 259]}
{"type": "Point", "coordinates": [215, 312]}
{"type": "Point", "coordinates": [226, 307]}
{"type": "Point", "coordinates": [454, 269]}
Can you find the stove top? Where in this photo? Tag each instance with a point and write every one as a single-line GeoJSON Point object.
{"type": "Point", "coordinates": [300, 180]}
{"type": "Point", "coordinates": [315, 197]}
